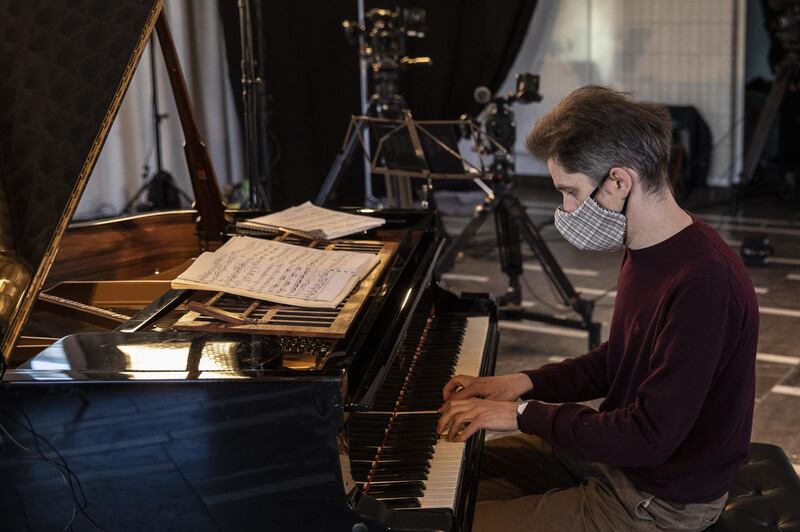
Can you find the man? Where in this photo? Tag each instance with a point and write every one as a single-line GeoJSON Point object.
{"type": "Point", "coordinates": [677, 372]}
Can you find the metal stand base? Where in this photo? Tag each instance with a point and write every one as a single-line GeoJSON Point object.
{"type": "Point", "coordinates": [162, 193]}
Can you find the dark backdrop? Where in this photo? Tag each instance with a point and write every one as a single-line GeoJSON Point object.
{"type": "Point", "coordinates": [311, 75]}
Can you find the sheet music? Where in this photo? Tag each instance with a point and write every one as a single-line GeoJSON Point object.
{"type": "Point", "coordinates": [308, 217]}
{"type": "Point", "coordinates": [280, 272]}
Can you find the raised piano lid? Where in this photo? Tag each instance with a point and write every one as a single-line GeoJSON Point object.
{"type": "Point", "coordinates": [66, 67]}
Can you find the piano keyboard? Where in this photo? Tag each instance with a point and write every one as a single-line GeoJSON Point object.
{"type": "Point", "coordinates": [443, 477]}
{"type": "Point", "coordinates": [395, 453]}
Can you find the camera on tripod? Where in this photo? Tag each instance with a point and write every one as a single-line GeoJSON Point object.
{"type": "Point", "coordinates": [382, 40]}
{"type": "Point", "coordinates": [499, 132]}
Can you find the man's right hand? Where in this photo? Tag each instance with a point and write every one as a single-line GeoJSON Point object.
{"type": "Point", "coordinates": [500, 388]}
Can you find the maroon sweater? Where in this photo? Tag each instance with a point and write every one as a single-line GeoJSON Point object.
{"type": "Point", "coordinates": [677, 373]}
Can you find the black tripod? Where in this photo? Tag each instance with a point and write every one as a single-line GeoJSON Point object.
{"type": "Point", "coordinates": [789, 74]}
{"type": "Point", "coordinates": [162, 192]}
{"type": "Point", "coordinates": [386, 102]}
{"type": "Point", "coordinates": [511, 224]}
{"type": "Point", "coordinates": [382, 41]}
{"type": "Point", "coordinates": [342, 160]}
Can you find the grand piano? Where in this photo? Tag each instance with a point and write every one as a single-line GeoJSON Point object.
{"type": "Point", "coordinates": [114, 418]}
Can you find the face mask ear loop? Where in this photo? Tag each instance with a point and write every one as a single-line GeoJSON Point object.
{"type": "Point", "coordinates": [625, 204]}
{"type": "Point", "coordinates": [600, 184]}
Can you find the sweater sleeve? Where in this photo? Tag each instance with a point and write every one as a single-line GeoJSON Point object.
{"type": "Point", "coordinates": [576, 379]}
{"type": "Point", "coordinates": [701, 325]}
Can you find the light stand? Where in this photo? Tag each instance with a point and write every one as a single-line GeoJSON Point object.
{"type": "Point", "coordinates": [162, 192]}
{"type": "Point", "coordinates": [381, 36]}
{"type": "Point", "coordinates": [256, 141]}
{"type": "Point", "coordinates": [383, 104]}
{"type": "Point", "coordinates": [369, 197]}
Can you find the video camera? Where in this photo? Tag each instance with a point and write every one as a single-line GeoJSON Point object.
{"type": "Point", "coordinates": [383, 44]}
{"type": "Point", "coordinates": [385, 33]}
{"type": "Point", "coordinates": [500, 125]}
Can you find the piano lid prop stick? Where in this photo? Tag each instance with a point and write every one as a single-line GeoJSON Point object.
{"type": "Point", "coordinates": [223, 315]}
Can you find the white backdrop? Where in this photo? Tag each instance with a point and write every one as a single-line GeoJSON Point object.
{"type": "Point", "coordinates": [198, 36]}
{"type": "Point", "coordinates": [681, 52]}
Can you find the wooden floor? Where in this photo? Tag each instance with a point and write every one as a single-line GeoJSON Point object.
{"type": "Point", "coordinates": [527, 345]}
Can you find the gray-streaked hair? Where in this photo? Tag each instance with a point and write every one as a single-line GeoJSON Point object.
{"type": "Point", "coordinates": [597, 128]}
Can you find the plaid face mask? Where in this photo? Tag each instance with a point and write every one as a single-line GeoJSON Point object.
{"type": "Point", "coordinates": [592, 227]}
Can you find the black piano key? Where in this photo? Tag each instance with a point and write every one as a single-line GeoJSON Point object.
{"type": "Point", "coordinates": [423, 364]}
{"type": "Point", "coordinates": [379, 419]}
{"type": "Point", "coordinates": [398, 466]}
{"type": "Point", "coordinates": [393, 438]}
{"type": "Point", "coordinates": [407, 454]}
{"type": "Point", "coordinates": [410, 502]}
{"type": "Point", "coordinates": [417, 472]}
{"type": "Point", "coordinates": [396, 445]}
{"type": "Point", "coordinates": [409, 475]}
{"type": "Point", "coordinates": [397, 490]}
{"type": "Point", "coordinates": [410, 430]}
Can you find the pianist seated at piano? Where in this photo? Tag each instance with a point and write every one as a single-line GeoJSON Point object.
{"type": "Point", "coordinates": [676, 374]}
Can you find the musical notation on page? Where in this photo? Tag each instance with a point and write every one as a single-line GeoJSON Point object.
{"type": "Point", "coordinates": [278, 272]}
{"type": "Point", "coordinates": [310, 219]}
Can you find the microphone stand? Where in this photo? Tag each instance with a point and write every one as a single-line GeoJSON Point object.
{"type": "Point", "coordinates": [162, 192]}
{"type": "Point", "coordinates": [256, 142]}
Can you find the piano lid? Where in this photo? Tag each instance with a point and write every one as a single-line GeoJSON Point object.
{"type": "Point", "coordinates": [65, 68]}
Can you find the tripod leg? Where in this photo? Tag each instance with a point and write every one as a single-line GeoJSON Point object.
{"type": "Point", "coordinates": [184, 195]}
{"type": "Point", "coordinates": [756, 148]}
{"type": "Point", "coordinates": [133, 199]}
{"type": "Point", "coordinates": [554, 273]}
{"type": "Point", "coordinates": [429, 203]}
{"type": "Point", "coordinates": [339, 164]}
{"type": "Point", "coordinates": [510, 250]}
{"type": "Point", "coordinates": [549, 263]}
{"type": "Point", "coordinates": [399, 194]}
{"type": "Point", "coordinates": [456, 246]}
{"type": "Point", "coordinates": [594, 334]}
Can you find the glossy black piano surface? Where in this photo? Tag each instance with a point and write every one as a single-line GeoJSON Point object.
{"type": "Point", "coordinates": [170, 430]}
{"type": "Point", "coordinates": [202, 431]}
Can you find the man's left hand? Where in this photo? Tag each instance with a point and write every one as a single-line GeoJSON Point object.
{"type": "Point", "coordinates": [465, 417]}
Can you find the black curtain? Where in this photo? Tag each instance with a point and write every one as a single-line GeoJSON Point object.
{"type": "Point", "coordinates": [311, 75]}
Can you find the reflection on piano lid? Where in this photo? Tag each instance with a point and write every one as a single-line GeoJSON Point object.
{"type": "Point", "coordinates": [146, 355]}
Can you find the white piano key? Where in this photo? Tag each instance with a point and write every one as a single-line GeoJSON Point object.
{"type": "Point", "coordinates": [446, 463]}
{"type": "Point", "coordinates": [445, 471]}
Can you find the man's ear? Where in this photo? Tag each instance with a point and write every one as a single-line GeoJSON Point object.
{"type": "Point", "coordinates": [620, 182]}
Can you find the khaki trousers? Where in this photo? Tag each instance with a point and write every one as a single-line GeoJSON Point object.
{"type": "Point", "coordinates": [526, 486]}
